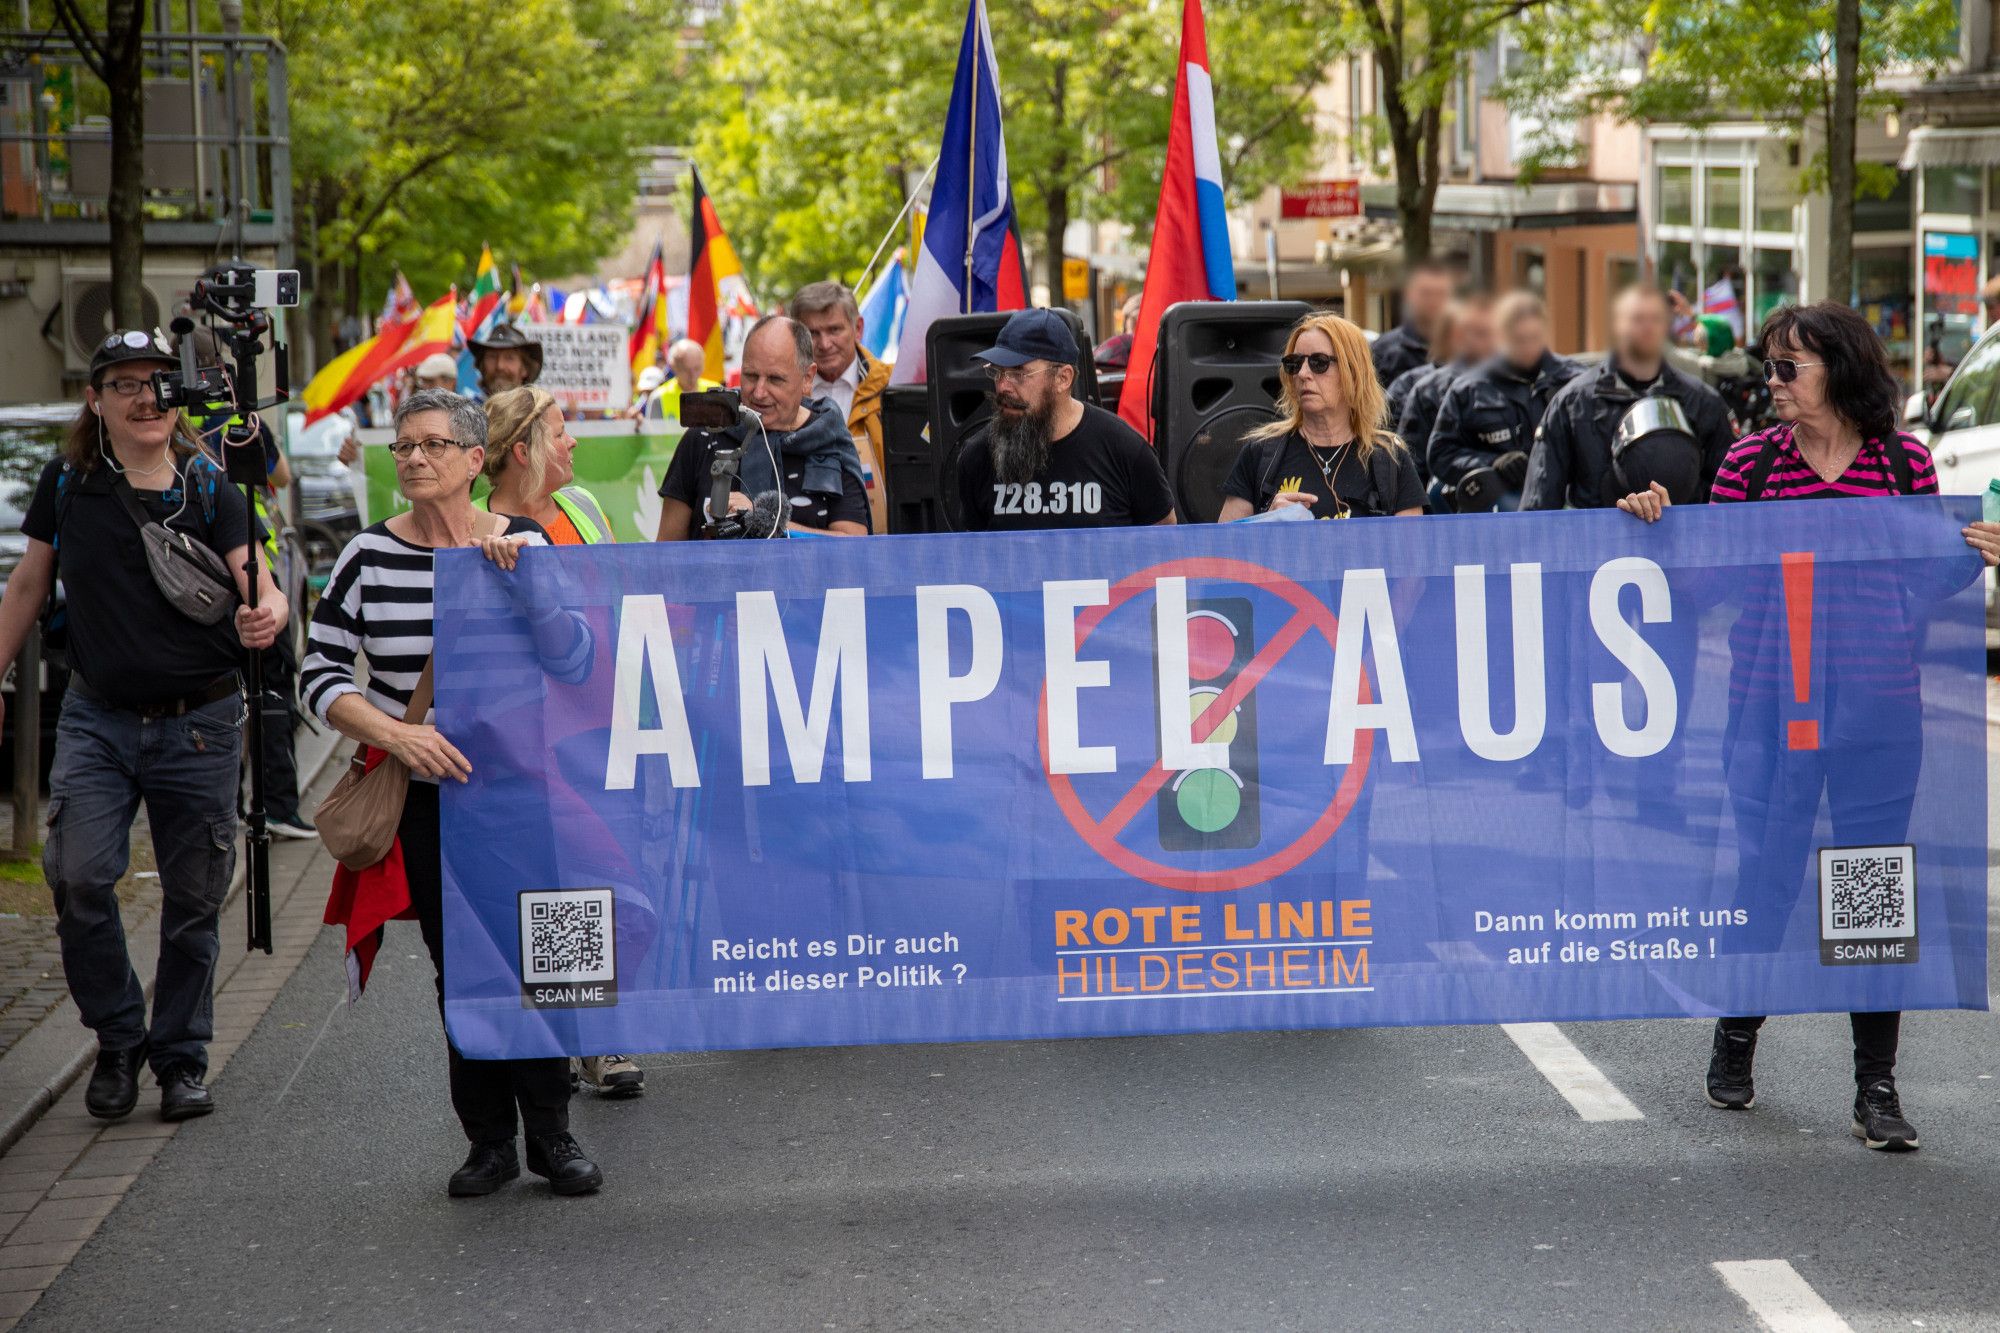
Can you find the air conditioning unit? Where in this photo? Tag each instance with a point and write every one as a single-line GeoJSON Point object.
{"type": "Point", "coordinates": [86, 308]}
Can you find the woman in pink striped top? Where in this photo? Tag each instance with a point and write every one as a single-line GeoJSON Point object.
{"type": "Point", "coordinates": [1837, 402]}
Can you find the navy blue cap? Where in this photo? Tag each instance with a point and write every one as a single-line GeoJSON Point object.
{"type": "Point", "coordinates": [1032, 335]}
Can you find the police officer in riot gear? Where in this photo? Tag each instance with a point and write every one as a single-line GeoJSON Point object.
{"type": "Point", "coordinates": [1631, 421]}
{"type": "Point", "coordinates": [1479, 448]}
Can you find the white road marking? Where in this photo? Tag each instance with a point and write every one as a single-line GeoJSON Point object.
{"type": "Point", "coordinates": [1581, 1083]}
{"type": "Point", "coordinates": [1779, 1297]}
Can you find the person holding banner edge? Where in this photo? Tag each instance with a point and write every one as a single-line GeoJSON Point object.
{"type": "Point", "coordinates": [378, 602]}
{"type": "Point", "coordinates": [1838, 403]}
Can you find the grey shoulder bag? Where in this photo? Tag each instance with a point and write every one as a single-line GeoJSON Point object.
{"type": "Point", "coordinates": [188, 574]}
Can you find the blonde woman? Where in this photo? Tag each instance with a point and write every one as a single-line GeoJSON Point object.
{"type": "Point", "coordinates": [1330, 449]}
{"type": "Point", "coordinates": [531, 465]}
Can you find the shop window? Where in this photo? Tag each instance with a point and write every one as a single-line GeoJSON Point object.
{"type": "Point", "coordinates": [1776, 282]}
{"type": "Point", "coordinates": [1723, 209]}
{"type": "Point", "coordinates": [1675, 268]}
{"type": "Point", "coordinates": [1895, 213]}
{"type": "Point", "coordinates": [1885, 294]}
{"type": "Point", "coordinates": [1677, 196]}
{"type": "Point", "coordinates": [1951, 190]}
{"type": "Point", "coordinates": [1777, 195]}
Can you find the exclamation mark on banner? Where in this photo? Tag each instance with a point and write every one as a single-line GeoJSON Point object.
{"type": "Point", "coordinates": [1800, 733]}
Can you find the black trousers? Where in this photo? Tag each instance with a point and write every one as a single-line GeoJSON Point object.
{"type": "Point", "coordinates": [485, 1093]}
{"type": "Point", "coordinates": [1875, 1038]}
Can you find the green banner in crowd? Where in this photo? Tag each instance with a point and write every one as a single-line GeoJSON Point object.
{"type": "Point", "coordinates": [622, 463]}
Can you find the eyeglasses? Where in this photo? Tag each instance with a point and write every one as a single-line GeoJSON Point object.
{"type": "Point", "coordinates": [1785, 370]}
{"type": "Point", "coordinates": [433, 448]}
{"type": "Point", "coordinates": [1319, 361]}
{"type": "Point", "coordinates": [1015, 374]}
{"type": "Point", "coordinates": [124, 388]}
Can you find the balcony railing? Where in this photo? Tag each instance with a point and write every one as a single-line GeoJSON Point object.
{"type": "Point", "coordinates": [217, 154]}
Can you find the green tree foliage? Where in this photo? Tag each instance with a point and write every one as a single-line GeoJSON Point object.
{"type": "Point", "coordinates": [820, 113]}
{"type": "Point", "coordinates": [423, 128]}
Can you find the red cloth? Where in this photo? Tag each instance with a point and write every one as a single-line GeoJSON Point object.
{"type": "Point", "coordinates": [364, 901]}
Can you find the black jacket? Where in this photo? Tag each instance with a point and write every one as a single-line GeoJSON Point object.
{"type": "Point", "coordinates": [1426, 389]}
{"type": "Point", "coordinates": [1491, 411]}
{"type": "Point", "coordinates": [1398, 393]}
{"type": "Point", "coordinates": [1571, 462]}
{"type": "Point", "coordinates": [1401, 348]}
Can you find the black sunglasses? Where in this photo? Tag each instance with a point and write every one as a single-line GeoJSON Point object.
{"type": "Point", "coordinates": [1786, 370]}
{"type": "Point", "coordinates": [1319, 361]}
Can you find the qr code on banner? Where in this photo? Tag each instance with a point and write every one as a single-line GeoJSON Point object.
{"type": "Point", "coordinates": [567, 936]}
{"type": "Point", "coordinates": [1868, 893]}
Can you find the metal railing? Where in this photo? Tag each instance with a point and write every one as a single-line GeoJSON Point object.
{"type": "Point", "coordinates": [218, 146]}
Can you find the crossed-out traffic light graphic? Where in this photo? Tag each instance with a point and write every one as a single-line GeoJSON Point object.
{"type": "Point", "coordinates": [1216, 808]}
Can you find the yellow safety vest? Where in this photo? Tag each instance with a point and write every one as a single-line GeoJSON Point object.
{"type": "Point", "coordinates": [580, 507]}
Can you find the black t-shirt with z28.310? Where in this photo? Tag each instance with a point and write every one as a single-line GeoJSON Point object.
{"type": "Point", "coordinates": [1100, 475]}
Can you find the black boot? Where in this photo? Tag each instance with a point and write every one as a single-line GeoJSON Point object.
{"type": "Point", "coordinates": [114, 1083]}
{"type": "Point", "coordinates": [1729, 1083]}
{"type": "Point", "coordinates": [183, 1096]}
{"type": "Point", "coordinates": [487, 1167]}
{"type": "Point", "coordinates": [556, 1158]}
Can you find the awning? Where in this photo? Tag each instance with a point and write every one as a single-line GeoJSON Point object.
{"type": "Point", "coordinates": [1504, 206]}
{"type": "Point", "coordinates": [1951, 146]}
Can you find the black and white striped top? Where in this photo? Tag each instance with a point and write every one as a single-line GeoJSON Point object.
{"type": "Point", "coordinates": [377, 602]}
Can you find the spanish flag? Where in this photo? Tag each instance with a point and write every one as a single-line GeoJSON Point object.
{"type": "Point", "coordinates": [649, 335]}
{"type": "Point", "coordinates": [714, 279]}
{"type": "Point", "coordinates": [431, 334]}
{"type": "Point", "coordinates": [397, 343]}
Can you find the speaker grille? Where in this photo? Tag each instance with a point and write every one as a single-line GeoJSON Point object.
{"type": "Point", "coordinates": [1206, 457]}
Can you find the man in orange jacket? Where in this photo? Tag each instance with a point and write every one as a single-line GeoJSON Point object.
{"type": "Point", "coordinates": [846, 375]}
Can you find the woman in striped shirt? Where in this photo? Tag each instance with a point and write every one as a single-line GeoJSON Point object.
{"type": "Point", "coordinates": [1837, 402]}
{"type": "Point", "coordinates": [378, 602]}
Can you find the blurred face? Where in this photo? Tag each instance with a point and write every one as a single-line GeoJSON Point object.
{"type": "Point", "coordinates": [1424, 299]}
{"type": "Point", "coordinates": [437, 382]}
{"type": "Point", "coordinates": [687, 369]}
{"type": "Point", "coordinates": [1318, 395]}
{"type": "Point", "coordinates": [124, 400]}
{"type": "Point", "coordinates": [504, 369]}
{"type": "Point", "coordinates": [774, 384]}
{"type": "Point", "coordinates": [1805, 396]}
{"type": "Point", "coordinates": [834, 337]}
{"type": "Point", "coordinates": [1472, 336]}
{"type": "Point", "coordinates": [425, 479]}
{"type": "Point", "coordinates": [562, 451]}
{"type": "Point", "coordinates": [1639, 325]}
{"type": "Point", "coordinates": [1525, 340]}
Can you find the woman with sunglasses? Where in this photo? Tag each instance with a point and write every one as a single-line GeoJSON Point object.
{"type": "Point", "coordinates": [1837, 402]}
{"type": "Point", "coordinates": [379, 604]}
{"type": "Point", "coordinates": [1330, 450]}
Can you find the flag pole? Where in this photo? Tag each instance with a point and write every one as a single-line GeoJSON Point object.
{"type": "Point", "coordinates": [894, 227]}
{"type": "Point", "coordinates": [972, 152]}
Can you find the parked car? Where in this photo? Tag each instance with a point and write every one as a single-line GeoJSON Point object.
{"type": "Point", "coordinates": [30, 435]}
{"type": "Point", "coordinates": [1962, 427]}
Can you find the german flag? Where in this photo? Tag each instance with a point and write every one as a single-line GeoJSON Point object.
{"type": "Point", "coordinates": [649, 335]}
{"type": "Point", "coordinates": [712, 264]}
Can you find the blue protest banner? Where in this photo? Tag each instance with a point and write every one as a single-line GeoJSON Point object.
{"type": "Point", "coordinates": [1448, 770]}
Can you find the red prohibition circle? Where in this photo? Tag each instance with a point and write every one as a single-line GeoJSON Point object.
{"type": "Point", "coordinates": [1312, 615]}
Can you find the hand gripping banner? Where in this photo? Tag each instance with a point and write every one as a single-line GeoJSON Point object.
{"type": "Point", "coordinates": [1448, 770]}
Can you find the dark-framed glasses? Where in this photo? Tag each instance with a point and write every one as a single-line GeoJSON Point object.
{"type": "Point", "coordinates": [1320, 362]}
{"type": "Point", "coordinates": [434, 447]}
{"type": "Point", "coordinates": [1784, 369]}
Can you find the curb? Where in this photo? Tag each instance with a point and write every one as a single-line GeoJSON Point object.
{"type": "Point", "coordinates": [40, 1096]}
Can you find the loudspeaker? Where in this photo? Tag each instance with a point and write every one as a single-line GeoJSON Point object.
{"type": "Point", "coordinates": [1215, 380]}
{"type": "Point", "coordinates": [909, 464]}
{"type": "Point", "coordinates": [959, 391]}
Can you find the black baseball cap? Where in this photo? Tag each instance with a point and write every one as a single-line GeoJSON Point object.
{"type": "Point", "coordinates": [1031, 335]}
{"type": "Point", "coordinates": [130, 345]}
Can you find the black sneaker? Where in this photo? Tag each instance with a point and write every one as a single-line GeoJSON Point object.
{"type": "Point", "coordinates": [1878, 1119]}
{"type": "Point", "coordinates": [1729, 1084]}
{"type": "Point", "coordinates": [114, 1083]}
{"type": "Point", "coordinates": [487, 1167]}
{"type": "Point", "coordinates": [559, 1160]}
{"type": "Point", "coordinates": [183, 1096]}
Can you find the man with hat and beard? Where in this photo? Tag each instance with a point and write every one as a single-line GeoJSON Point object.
{"type": "Point", "coordinates": [1633, 420]}
{"type": "Point", "coordinates": [507, 358]}
{"type": "Point", "coordinates": [1046, 460]}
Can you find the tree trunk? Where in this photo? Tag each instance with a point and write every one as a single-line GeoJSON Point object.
{"type": "Point", "coordinates": [1840, 151]}
{"type": "Point", "coordinates": [125, 74]}
{"type": "Point", "coordinates": [1052, 241]}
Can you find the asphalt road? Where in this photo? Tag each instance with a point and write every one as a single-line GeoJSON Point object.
{"type": "Point", "coordinates": [1383, 1179]}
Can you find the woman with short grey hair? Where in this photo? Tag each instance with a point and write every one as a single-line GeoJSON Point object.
{"type": "Point", "coordinates": [378, 603]}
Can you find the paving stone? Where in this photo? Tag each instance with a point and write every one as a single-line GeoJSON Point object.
{"type": "Point", "coordinates": [90, 1187]}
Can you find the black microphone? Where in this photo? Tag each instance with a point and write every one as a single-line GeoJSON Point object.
{"type": "Point", "coordinates": [765, 517]}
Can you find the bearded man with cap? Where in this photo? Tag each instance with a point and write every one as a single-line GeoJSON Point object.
{"type": "Point", "coordinates": [1632, 421]}
{"type": "Point", "coordinates": [507, 358]}
{"type": "Point", "coordinates": [1045, 459]}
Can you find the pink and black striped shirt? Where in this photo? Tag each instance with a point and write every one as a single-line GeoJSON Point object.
{"type": "Point", "coordinates": [1792, 478]}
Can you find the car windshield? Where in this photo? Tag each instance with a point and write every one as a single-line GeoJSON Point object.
{"type": "Point", "coordinates": [29, 437]}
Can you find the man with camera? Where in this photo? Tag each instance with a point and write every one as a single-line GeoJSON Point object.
{"type": "Point", "coordinates": [154, 711]}
{"type": "Point", "coordinates": [1046, 460]}
{"type": "Point", "coordinates": [845, 375]}
{"type": "Point", "coordinates": [786, 463]}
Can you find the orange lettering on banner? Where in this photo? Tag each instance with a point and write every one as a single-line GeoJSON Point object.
{"type": "Point", "coordinates": [1295, 920]}
{"type": "Point", "coordinates": [1293, 960]}
{"type": "Point", "coordinates": [1269, 969]}
{"type": "Point", "coordinates": [1069, 929]}
{"type": "Point", "coordinates": [1064, 976]}
{"type": "Point", "coordinates": [1187, 972]}
{"type": "Point", "coordinates": [1350, 973]}
{"type": "Point", "coordinates": [1147, 961]}
{"type": "Point", "coordinates": [1354, 918]}
{"type": "Point", "coordinates": [1230, 930]}
{"type": "Point", "coordinates": [1120, 926]}
{"type": "Point", "coordinates": [1186, 924]}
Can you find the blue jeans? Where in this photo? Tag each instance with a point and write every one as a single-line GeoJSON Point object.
{"type": "Point", "coordinates": [107, 760]}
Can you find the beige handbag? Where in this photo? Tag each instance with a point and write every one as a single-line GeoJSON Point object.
{"type": "Point", "coordinates": [358, 819]}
